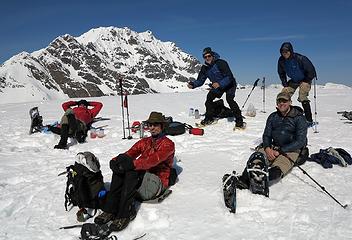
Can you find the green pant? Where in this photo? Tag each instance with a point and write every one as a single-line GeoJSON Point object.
{"type": "Point", "coordinates": [303, 92]}
{"type": "Point", "coordinates": [75, 125]}
{"type": "Point", "coordinates": [150, 188]}
{"type": "Point", "coordinates": [282, 162]}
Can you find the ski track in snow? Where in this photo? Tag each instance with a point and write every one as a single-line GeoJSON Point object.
{"type": "Point", "coordinates": [32, 193]}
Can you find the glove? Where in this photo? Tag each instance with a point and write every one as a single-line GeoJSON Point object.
{"type": "Point", "coordinates": [190, 85]}
{"type": "Point", "coordinates": [102, 193]}
{"type": "Point", "coordinates": [122, 163]}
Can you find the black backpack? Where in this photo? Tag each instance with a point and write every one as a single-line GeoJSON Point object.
{"type": "Point", "coordinates": [84, 182]}
{"type": "Point", "coordinates": [175, 128]}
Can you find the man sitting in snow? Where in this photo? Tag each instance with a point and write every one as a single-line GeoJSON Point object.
{"type": "Point", "coordinates": [285, 132]}
{"type": "Point", "coordinates": [144, 171]}
{"type": "Point", "coordinates": [76, 121]}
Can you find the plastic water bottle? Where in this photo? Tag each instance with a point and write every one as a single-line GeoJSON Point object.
{"type": "Point", "coordinates": [100, 133]}
{"type": "Point", "coordinates": [196, 114]}
{"type": "Point", "coordinates": [191, 112]}
{"type": "Point", "coordinates": [93, 133]}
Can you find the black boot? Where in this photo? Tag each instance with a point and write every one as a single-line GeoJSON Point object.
{"type": "Point", "coordinates": [64, 137]}
{"type": "Point", "coordinates": [307, 111]}
{"type": "Point", "coordinates": [72, 123]}
{"type": "Point", "coordinates": [275, 175]}
{"type": "Point", "coordinates": [236, 112]}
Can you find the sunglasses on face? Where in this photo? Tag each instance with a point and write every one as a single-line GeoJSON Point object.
{"type": "Point", "coordinates": [285, 52]}
{"type": "Point", "coordinates": [282, 101]}
{"type": "Point", "coordinates": [154, 124]}
{"type": "Point", "coordinates": [207, 56]}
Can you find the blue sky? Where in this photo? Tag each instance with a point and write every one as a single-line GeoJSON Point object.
{"type": "Point", "coordinates": [247, 34]}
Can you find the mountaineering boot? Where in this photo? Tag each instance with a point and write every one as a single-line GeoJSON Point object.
{"type": "Point", "coordinates": [275, 175]}
{"type": "Point", "coordinates": [257, 168]}
{"type": "Point", "coordinates": [239, 119]}
{"type": "Point", "coordinates": [207, 121]}
{"type": "Point", "coordinates": [307, 111]}
{"type": "Point", "coordinates": [64, 137]}
{"type": "Point", "coordinates": [103, 218]}
{"type": "Point", "coordinates": [119, 224]}
{"type": "Point", "coordinates": [240, 183]}
{"type": "Point", "coordinates": [240, 126]}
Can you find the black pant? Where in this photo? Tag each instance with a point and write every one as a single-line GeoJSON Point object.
{"type": "Point", "coordinates": [123, 189]}
{"type": "Point", "coordinates": [209, 106]}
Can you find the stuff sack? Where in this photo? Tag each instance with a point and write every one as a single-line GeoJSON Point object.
{"type": "Point", "coordinates": [84, 182]}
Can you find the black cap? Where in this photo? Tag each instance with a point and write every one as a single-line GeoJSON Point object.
{"type": "Point", "coordinates": [207, 50]}
{"type": "Point", "coordinates": [83, 102]}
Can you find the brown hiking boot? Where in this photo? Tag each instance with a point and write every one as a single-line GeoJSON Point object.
{"type": "Point", "coordinates": [104, 218]}
{"type": "Point", "coordinates": [119, 224]}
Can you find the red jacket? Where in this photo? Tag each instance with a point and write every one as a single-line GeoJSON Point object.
{"type": "Point", "coordinates": [155, 156]}
{"type": "Point", "coordinates": [82, 113]}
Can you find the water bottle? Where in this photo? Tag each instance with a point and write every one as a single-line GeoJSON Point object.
{"type": "Point", "coordinates": [196, 114]}
{"type": "Point", "coordinates": [93, 133]}
{"type": "Point", "coordinates": [191, 112]}
{"type": "Point", "coordinates": [100, 133]}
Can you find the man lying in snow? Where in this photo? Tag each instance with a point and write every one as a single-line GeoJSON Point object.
{"type": "Point", "coordinates": [76, 121]}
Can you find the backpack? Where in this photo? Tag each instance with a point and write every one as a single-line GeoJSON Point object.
{"type": "Point", "coordinates": [220, 111]}
{"type": "Point", "coordinates": [178, 128]}
{"type": "Point", "coordinates": [175, 128]}
{"type": "Point", "coordinates": [84, 182]}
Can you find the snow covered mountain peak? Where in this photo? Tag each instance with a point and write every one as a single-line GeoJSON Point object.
{"type": "Point", "coordinates": [89, 65]}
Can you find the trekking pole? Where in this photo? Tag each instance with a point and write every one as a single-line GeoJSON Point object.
{"type": "Point", "coordinates": [322, 187]}
{"type": "Point", "coordinates": [254, 85]}
{"type": "Point", "coordinates": [263, 86]}
{"type": "Point", "coordinates": [122, 110]}
{"type": "Point", "coordinates": [71, 226]}
{"type": "Point", "coordinates": [128, 116]}
{"type": "Point", "coordinates": [315, 105]}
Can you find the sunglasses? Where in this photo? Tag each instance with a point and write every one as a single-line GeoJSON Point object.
{"type": "Point", "coordinates": [154, 124]}
{"type": "Point", "coordinates": [281, 101]}
{"type": "Point", "coordinates": [285, 52]}
{"type": "Point", "coordinates": [207, 56]}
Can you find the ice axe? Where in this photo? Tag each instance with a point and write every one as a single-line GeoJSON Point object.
{"type": "Point", "coordinates": [254, 85]}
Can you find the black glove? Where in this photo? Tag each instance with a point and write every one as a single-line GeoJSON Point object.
{"type": "Point", "coordinates": [122, 163]}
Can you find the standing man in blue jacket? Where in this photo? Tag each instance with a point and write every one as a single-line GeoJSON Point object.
{"type": "Point", "coordinates": [301, 72]}
{"type": "Point", "coordinates": [222, 81]}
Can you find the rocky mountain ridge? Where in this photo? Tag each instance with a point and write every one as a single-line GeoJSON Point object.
{"type": "Point", "coordinates": [92, 64]}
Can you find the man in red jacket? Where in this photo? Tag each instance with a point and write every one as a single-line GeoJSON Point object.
{"type": "Point", "coordinates": [143, 172]}
{"type": "Point", "coordinates": [76, 121]}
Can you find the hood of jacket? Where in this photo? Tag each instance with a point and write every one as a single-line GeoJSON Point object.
{"type": "Point", "coordinates": [286, 46]}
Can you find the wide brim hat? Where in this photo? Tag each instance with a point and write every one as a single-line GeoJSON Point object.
{"type": "Point", "coordinates": [156, 117]}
